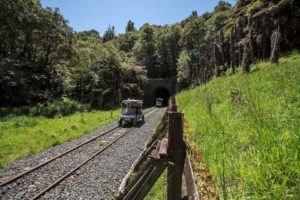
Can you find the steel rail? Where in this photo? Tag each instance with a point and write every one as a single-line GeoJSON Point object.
{"type": "Point", "coordinates": [13, 179]}
{"type": "Point", "coordinates": [52, 185]}
{"type": "Point", "coordinates": [54, 158]}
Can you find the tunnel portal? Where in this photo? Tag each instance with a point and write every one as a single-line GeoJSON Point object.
{"type": "Point", "coordinates": [159, 88]}
{"type": "Point", "coordinates": [162, 92]}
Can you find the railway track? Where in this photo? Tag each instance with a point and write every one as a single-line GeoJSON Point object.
{"type": "Point", "coordinates": [115, 130]}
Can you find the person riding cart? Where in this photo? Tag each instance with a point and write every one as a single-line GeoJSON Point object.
{"type": "Point", "coordinates": [131, 112]}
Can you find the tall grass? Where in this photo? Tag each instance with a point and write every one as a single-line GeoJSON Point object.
{"type": "Point", "coordinates": [23, 135]}
{"type": "Point", "coordinates": [248, 129]}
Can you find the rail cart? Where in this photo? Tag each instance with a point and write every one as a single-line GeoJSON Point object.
{"type": "Point", "coordinates": [158, 102]}
{"type": "Point", "coordinates": [131, 112]}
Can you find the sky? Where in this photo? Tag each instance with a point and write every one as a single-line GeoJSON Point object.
{"type": "Point", "coordinates": [99, 14]}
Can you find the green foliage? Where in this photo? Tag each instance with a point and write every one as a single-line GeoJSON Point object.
{"type": "Point", "coordinates": [24, 135]}
{"type": "Point", "coordinates": [193, 33]}
{"type": "Point", "coordinates": [157, 48]}
{"type": "Point", "coordinates": [144, 48]}
{"type": "Point", "coordinates": [222, 6]}
{"type": "Point", "coordinates": [57, 108]}
{"type": "Point", "coordinates": [196, 63]}
{"type": "Point", "coordinates": [109, 34]}
{"type": "Point", "coordinates": [247, 128]}
{"type": "Point", "coordinates": [87, 34]}
{"type": "Point", "coordinates": [130, 27]}
{"type": "Point", "coordinates": [217, 21]}
{"type": "Point", "coordinates": [167, 50]}
{"type": "Point", "coordinates": [104, 74]}
{"type": "Point", "coordinates": [97, 71]}
{"type": "Point", "coordinates": [183, 69]}
{"type": "Point", "coordinates": [127, 41]}
{"type": "Point", "coordinates": [133, 79]}
{"type": "Point", "coordinates": [42, 58]}
{"type": "Point", "coordinates": [36, 52]}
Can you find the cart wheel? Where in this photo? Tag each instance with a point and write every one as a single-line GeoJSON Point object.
{"type": "Point", "coordinates": [120, 122]}
{"type": "Point", "coordinates": [143, 119]}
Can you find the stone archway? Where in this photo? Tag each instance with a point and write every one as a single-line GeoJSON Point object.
{"type": "Point", "coordinates": [159, 88]}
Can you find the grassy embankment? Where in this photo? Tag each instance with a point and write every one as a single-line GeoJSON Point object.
{"type": "Point", "coordinates": [21, 136]}
{"type": "Point", "coordinates": [247, 128]}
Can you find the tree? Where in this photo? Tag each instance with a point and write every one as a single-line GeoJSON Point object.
{"type": "Point", "coordinates": [130, 27]}
{"type": "Point", "coordinates": [134, 79]}
{"type": "Point", "coordinates": [167, 50]}
{"type": "Point", "coordinates": [37, 46]}
{"type": "Point", "coordinates": [246, 58]}
{"type": "Point", "coordinates": [184, 63]}
{"type": "Point", "coordinates": [43, 58]}
{"type": "Point", "coordinates": [109, 34]}
{"type": "Point", "coordinates": [192, 34]}
{"type": "Point", "coordinates": [194, 41]}
{"type": "Point", "coordinates": [91, 33]}
{"type": "Point", "coordinates": [127, 41]}
{"type": "Point", "coordinates": [144, 48]}
{"type": "Point", "coordinates": [222, 6]}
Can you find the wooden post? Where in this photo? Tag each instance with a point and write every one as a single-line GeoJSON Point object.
{"type": "Point", "coordinates": [176, 153]}
{"type": "Point", "coordinates": [173, 104]}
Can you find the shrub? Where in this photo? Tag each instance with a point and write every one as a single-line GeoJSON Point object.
{"type": "Point", "coordinates": [60, 107]}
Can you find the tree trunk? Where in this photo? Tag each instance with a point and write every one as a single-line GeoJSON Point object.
{"type": "Point", "coordinates": [218, 54]}
{"type": "Point", "coordinates": [246, 60]}
{"type": "Point", "coordinates": [275, 45]}
{"type": "Point", "coordinates": [240, 55]}
{"type": "Point", "coordinates": [216, 64]}
{"type": "Point", "coordinates": [250, 38]}
{"type": "Point", "coordinates": [222, 49]}
{"type": "Point", "coordinates": [232, 51]}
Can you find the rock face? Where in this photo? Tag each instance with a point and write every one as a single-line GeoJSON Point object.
{"type": "Point", "coordinates": [258, 30]}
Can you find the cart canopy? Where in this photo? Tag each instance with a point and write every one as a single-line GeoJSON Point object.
{"type": "Point", "coordinates": [132, 103]}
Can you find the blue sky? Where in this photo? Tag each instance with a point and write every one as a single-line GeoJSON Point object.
{"type": "Point", "coordinates": [99, 14]}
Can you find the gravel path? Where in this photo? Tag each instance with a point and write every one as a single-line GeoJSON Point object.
{"type": "Point", "coordinates": [99, 179]}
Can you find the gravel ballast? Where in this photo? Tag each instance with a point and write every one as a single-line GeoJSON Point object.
{"type": "Point", "coordinates": [98, 179]}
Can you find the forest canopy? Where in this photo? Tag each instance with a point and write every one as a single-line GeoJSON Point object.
{"type": "Point", "coordinates": [43, 58]}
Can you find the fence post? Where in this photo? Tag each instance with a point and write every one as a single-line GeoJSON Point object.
{"type": "Point", "coordinates": [176, 152]}
{"type": "Point", "coordinates": [173, 104]}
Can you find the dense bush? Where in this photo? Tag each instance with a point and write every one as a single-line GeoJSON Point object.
{"type": "Point", "coordinates": [57, 108]}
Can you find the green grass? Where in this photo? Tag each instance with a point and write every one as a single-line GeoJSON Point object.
{"type": "Point", "coordinates": [159, 190]}
{"type": "Point", "coordinates": [23, 135]}
{"type": "Point", "coordinates": [247, 127]}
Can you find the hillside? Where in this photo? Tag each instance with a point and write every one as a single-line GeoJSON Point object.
{"type": "Point", "coordinates": [244, 131]}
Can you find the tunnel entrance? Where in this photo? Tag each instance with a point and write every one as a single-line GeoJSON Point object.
{"type": "Point", "coordinates": [163, 93]}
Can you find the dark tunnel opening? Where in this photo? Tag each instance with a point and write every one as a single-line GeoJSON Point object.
{"type": "Point", "coordinates": [163, 93]}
